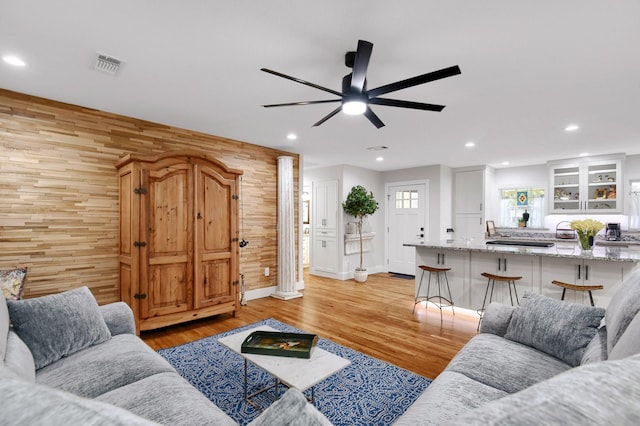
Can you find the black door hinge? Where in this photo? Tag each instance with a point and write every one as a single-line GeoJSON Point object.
{"type": "Point", "coordinates": [234, 239]}
{"type": "Point", "coordinates": [140, 296]}
{"type": "Point", "coordinates": [236, 282]}
{"type": "Point", "coordinates": [140, 191]}
{"type": "Point", "coordinates": [139, 244]}
{"type": "Point", "coordinates": [235, 197]}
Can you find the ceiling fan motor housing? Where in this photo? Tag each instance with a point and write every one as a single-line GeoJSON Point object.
{"type": "Point", "coordinates": [350, 59]}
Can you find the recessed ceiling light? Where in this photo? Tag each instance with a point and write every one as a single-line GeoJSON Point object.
{"type": "Point", "coordinates": [470, 144]}
{"type": "Point", "coordinates": [571, 128]}
{"type": "Point", "coordinates": [14, 60]}
{"type": "Point", "coordinates": [292, 136]}
{"type": "Point", "coordinates": [379, 158]}
{"type": "Point", "coordinates": [505, 163]}
{"type": "Point", "coordinates": [583, 154]}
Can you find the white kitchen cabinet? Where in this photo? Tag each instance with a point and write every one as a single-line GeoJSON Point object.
{"type": "Point", "coordinates": [583, 272]}
{"type": "Point", "coordinates": [469, 192]}
{"type": "Point", "coordinates": [457, 260]}
{"type": "Point", "coordinates": [471, 197]}
{"type": "Point", "coordinates": [324, 247]}
{"type": "Point", "coordinates": [512, 265]}
{"type": "Point", "coordinates": [325, 203]}
{"type": "Point", "coordinates": [325, 255]}
{"type": "Point", "coordinates": [586, 186]}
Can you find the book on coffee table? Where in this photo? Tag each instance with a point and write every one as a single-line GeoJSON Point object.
{"type": "Point", "coordinates": [295, 345]}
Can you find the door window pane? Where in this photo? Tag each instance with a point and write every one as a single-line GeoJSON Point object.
{"type": "Point", "coordinates": [407, 199]}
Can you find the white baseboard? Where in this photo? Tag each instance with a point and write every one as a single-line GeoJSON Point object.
{"type": "Point", "coordinates": [267, 291]}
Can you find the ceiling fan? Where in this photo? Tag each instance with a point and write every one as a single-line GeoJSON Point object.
{"type": "Point", "coordinates": [356, 99]}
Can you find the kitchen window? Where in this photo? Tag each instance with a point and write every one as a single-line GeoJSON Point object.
{"type": "Point", "coordinates": [515, 201]}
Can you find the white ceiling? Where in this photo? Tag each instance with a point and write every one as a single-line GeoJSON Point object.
{"type": "Point", "coordinates": [528, 70]}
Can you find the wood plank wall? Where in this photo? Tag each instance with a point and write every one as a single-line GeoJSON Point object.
{"type": "Point", "coordinates": [59, 192]}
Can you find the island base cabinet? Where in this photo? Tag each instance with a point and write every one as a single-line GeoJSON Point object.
{"type": "Point", "coordinates": [583, 272]}
{"type": "Point", "coordinates": [458, 261]}
{"type": "Point", "coordinates": [527, 267]}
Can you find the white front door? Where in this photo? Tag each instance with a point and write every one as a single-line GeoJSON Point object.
{"type": "Point", "coordinates": [407, 207]}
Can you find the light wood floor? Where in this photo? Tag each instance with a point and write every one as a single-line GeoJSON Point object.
{"type": "Point", "coordinates": [373, 317]}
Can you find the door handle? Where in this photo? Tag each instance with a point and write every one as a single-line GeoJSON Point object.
{"type": "Point", "coordinates": [579, 270]}
{"type": "Point", "coordinates": [586, 272]}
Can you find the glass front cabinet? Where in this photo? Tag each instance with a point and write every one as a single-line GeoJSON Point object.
{"type": "Point", "coordinates": [590, 185]}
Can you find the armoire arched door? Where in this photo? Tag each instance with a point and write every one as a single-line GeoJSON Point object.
{"type": "Point", "coordinates": [178, 237]}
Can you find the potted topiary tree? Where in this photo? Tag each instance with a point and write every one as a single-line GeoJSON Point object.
{"type": "Point", "coordinates": [360, 203]}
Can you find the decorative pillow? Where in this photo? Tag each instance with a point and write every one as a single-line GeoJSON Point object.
{"type": "Point", "coordinates": [629, 342]}
{"type": "Point", "coordinates": [558, 328]}
{"type": "Point", "coordinates": [19, 358]}
{"type": "Point", "coordinates": [58, 325]}
{"type": "Point", "coordinates": [596, 349]}
{"type": "Point", "coordinates": [12, 282]}
{"type": "Point", "coordinates": [622, 308]}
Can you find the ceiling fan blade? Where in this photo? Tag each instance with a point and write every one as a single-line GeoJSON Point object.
{"type": "Point", "coordinates": [297, 80]}
{"type": "Point", "coordinates": [414, 81]}
{"type": "Point", "coordinates": [328, 116]}
{"type": "Point", "coordinates": [406, 104]}
{"type": "Point", "coordinates": [302, 103]}
{"type": "Point", "coordinates": [373, 118]}
{"type": "Point", "coordinates": [360, 65]}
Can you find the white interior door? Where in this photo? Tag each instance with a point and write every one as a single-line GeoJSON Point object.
{"type": "Point", "coordinates": [406, 207]}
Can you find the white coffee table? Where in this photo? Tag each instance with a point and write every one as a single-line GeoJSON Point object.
{"type": "Point", "coordinates": [298, 373]}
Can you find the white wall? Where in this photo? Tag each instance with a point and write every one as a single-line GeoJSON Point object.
{"type": "Point", "coordinates": [374, 260]}
{"type": "Point", "coordinates": [438, 196]}
{"type": "Point", "coordinates": [347, 177]}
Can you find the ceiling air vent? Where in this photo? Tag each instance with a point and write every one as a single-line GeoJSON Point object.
{"type": "Point", "coordinates": [107, 64]}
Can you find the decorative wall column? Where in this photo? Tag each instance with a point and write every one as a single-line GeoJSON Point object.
{"type": "Point", "coordinates": [286, 286]}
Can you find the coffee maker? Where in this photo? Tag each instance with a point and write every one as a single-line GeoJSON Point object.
{"type": "Point", "coordinates": [613, 232]}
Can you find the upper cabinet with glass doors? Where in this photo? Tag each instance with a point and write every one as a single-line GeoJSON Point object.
{"type": "Point", "coordinates": [589, 185]}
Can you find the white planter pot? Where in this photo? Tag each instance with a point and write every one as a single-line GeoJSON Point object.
{"type": "Point", "coordinates": [360, 275]}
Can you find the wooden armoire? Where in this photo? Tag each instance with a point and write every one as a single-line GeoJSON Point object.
{"type": "Point", "coordinates": [179, 252]}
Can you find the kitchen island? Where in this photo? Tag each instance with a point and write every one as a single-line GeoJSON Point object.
{"type": "Point", "coordinates": [606, 265]}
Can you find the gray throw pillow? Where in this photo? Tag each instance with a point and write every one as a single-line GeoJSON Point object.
{"type": "Point", "coordinates": [558, 328]}
{"type": "Point", "coordinates": [622, 308]}
{"type": "Point", "coordinates": [19, 359]}
{"type": "Point", "coordinates": [58, 325]}
{"type": "Point", "coordinates": [629, 342]}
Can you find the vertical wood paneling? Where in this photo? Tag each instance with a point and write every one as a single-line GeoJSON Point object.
{"type": "Point", "coordinates": [59, 190]}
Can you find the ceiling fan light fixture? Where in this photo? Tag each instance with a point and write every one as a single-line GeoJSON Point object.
{"type": "Point", "coordinates": [354, 107]}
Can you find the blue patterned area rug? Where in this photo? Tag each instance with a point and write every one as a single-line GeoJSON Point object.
{"type": "Point", "coordinates": [368, 392]}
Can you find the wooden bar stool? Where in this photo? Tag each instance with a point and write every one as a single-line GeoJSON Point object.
{"type": "Point", "coordinates": [429, 298]}
{"type": "Point", "coordinates": [492, 278]}
{"type": "Point", "coordinates": [587, 288]}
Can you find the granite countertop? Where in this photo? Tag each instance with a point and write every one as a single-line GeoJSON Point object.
{"type": "Point", "coordinates": [602, 250]}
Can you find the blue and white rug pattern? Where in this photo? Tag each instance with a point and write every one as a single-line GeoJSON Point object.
{"type": "Point", "coordinates": [368, 392]}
